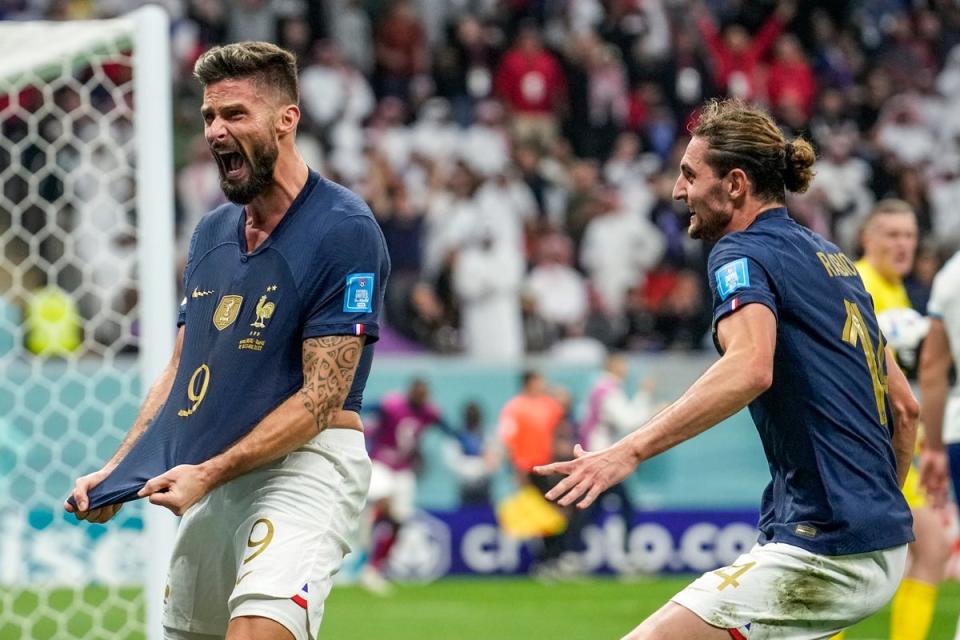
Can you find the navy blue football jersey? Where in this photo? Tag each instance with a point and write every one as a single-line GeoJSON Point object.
{"type": "Point", "coordinates": [321, 272]}
{"type": "Point", "coordinates": [826, 421]}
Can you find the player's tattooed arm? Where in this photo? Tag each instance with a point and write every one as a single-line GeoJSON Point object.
{"type": "Point", "coordinates": [329, 364]}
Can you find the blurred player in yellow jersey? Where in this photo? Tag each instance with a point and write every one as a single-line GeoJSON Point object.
{"type": "Point", "coordinates": [889, 246]}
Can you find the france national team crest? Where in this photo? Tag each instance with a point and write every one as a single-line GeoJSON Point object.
{"type": "Point", "coordinates": [732, 276]}
{"type": "Point", "coordinates": [358, 296]}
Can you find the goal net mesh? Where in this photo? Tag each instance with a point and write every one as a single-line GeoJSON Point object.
{"type": "Point", "coordinates": [69, 326]}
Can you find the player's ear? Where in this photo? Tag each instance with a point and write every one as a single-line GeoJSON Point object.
{"type": "Point", "coordinates": [737, 183]}
{"type": "Point", "coordinates": [288, 119]}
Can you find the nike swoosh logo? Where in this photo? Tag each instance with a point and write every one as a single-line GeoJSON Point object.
{"type": "Point", "coordinates": [243, 576]}
{"type": "Point", "coordinates": [199, 294]}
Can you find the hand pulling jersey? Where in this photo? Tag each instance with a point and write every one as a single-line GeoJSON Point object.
{"type": "Point", "coordinates": [321, 272]}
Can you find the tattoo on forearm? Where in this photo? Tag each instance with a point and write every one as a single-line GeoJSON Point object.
{"type": "Point", "coordinates": [329, 364]}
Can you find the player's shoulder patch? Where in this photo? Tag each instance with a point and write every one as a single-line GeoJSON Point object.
{"type": "Point", "coordinates": [732, 276]}
{"type": "Point", "coordinates": [358, 293]}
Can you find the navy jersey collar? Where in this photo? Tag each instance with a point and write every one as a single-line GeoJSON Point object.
{"type": "Point", "coordinates": [779, 213]}
{"type": "Point", "coordinates": [312, 179]}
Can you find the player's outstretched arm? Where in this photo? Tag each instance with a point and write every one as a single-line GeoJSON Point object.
{"type": "Point", "coordinates": [935, 361]}
{"type": "Point", "coordinates": [156, 397]}
{"type": "Point", "coordinates": [748, 338]}
{"type": "Point", "coordinates": [906, 414]}
{"type": "Point", "coordinates": [329, 365]}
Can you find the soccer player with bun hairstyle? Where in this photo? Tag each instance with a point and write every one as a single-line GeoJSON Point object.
{"type": "Point", "coordinates": [252, 433]}
{"type": "Point", "coordinates": [800, 347]}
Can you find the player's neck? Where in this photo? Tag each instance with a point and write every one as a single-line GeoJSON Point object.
{"type": "Point", "coordinates": [266, 210]}
{"type": "Point", "coordinates": [747, 214]}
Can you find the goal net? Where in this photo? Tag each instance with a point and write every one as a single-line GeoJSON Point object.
{"type": "Point", "coordinates": [87, 314]}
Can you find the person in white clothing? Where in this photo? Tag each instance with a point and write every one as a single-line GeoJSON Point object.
{"type": "Point", "coordinates": [487, 277]}
{"type": "Point", "coordinates": [619, 247]}
{"type": "Point", "coordinates": [557, 291]}
{"type": "Point", "coordinates": [940, 404]}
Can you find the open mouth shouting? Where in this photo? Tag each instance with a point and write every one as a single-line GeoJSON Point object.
{"type": "Point", "coordinates": [233, 165]}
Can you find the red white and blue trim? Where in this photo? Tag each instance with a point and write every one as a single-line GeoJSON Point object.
{"type": "Point", "coordinates": [741, 633]}
{"type": "Point", "coordinates": [358, 329]}
{"type": "Point", "coordinates": [301, 598]}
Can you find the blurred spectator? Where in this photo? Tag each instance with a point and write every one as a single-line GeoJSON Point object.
{"type": "Point", "coordinates": [353, 33]}
{"type": "Point", "coordinates": [920, 281]}
{"type": "Point", "coordinates": [528, 429]}
{"type": "Point", "coordinates": [531, 84]}
{"type": "Point", "coordinates": [394, 451]}
{"type": "Point", "coordinates": [252, 20]}
{"type": "Point", "coordinates": [833, 117]}
{"type": "Point", "coordinates": [626, 165]}
{"type": "Point", "coordinates": [842, 180]}
{"type": "Point", "coordinates": [466, 139]}
{"type": "Point", "coordinates": [434, 135]}
{"type": "Point", "coordinates": [486, 277]}
{"type": "Point", "coordinates": [333, 93]}
{"type": "Point", "coordinates": [607, 105]}
{"type": "Point", "coordinates": [198, 188]}
{"type": "Point", "coordinates": [735, 55]}
{"type": "Point", "coordinates": [832, 60]}
{"type": "Point", "coordinates": [463, 67]}
{"type": "Point", "coordinates": [611, 412]}
{"type": "Point", "coordinates": [668, 311]}
{"type": "Point", "coordinates": [903, 132]}
{"type": "Point", "coordinates": [468, 457]}
{"type": "Point", "coordinates": [401, 50]}
{"type": "Point", "coordinates": [584, 181]}
{"type": "Point", "coordinates": [485, 144]}
{"type": "Point", "coordinates": [790, 79]}
{"type": "Point", "coordinates": [209, 16]}
{"type": "Point", "coordinates": [619, 247]}
{"type": "Point", "coordinates": [672, 218]}
{"type": "Point", "coordinates": [557, 291]}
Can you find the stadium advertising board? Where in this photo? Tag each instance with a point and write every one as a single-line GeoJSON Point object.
{"type": "Point", "coordinates": [45, 549]}
{"type": "Point", "coordinates": [469, 542]}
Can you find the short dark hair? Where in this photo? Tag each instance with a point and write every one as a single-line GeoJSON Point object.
{"type": "Point", "coordinates": [527, 376]}
{"type": "Point", "coordinates": [744, 137]}
{"type": "Point", "coordinates": [269, 65]}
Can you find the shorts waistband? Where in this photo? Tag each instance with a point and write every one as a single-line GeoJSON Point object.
{"type": "Point", "coordinates": [341, 437]}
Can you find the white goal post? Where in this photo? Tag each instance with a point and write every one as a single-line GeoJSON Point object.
{"type": "Point", "coordinates": [87, 313]}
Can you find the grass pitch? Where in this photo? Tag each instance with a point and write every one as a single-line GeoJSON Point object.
{"type": "Point", "coordinates": [479, 609]}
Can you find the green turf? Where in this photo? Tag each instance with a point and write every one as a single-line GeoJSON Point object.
{"type": "Point", "coordinates": [482, 609]}
{"type": "Point", "coordinates": [522, 609]}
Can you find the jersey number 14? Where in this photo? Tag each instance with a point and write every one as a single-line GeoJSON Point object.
{"type": "Point", "coordinates": [855, 334]}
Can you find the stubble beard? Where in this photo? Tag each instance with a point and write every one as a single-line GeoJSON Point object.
{"type": "Point", "coordinates": [262, 166]}
{"type": "Point", "coordinates": [710, 229]}
{"type": "Point", "coordinates": [712, 221]}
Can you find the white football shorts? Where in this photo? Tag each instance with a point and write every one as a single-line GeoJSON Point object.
{"type": "Point", "coordinates": [269, 542]}
{"type": "Point", "coordinates": [781, 591]}
{"type": "Point", "coordinates": [397, 488]}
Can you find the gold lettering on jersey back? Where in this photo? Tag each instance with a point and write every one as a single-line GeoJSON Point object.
{"type": "Point", "coordinates": [227, 311]}
{"type": "Point", "coordinates": [837, 264]}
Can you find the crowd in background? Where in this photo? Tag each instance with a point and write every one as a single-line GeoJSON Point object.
{"type": "Point", "coordinates": [520, 154]}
